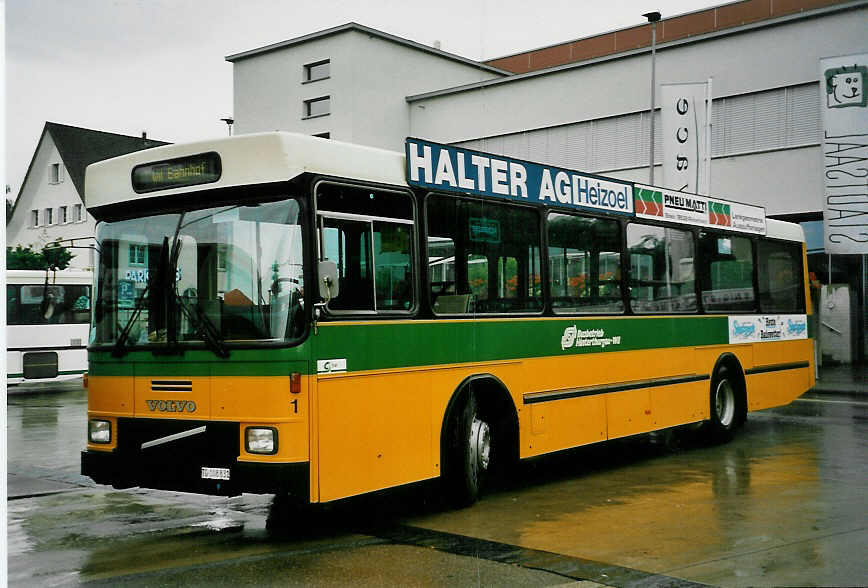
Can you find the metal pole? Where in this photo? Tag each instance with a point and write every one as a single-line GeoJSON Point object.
{"type": "Point", "coordinates": [653, 82]}
{"type": "Point", "coordinates": [708, 101]}
{"type": "Point", "coordinates": [652, 17]}
{"type": "Point", "coordinates": [229, 122]}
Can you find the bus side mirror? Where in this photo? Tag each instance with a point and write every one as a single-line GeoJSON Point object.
{"type": "Point", "coordinates": [328, 280]}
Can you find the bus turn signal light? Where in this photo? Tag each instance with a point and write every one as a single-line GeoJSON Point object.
{"type": "Point", "coordinates": [295, 383]}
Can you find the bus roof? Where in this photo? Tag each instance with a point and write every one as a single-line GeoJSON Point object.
{"type": "Point", "coordinates": [784, 230]}
{"type": "Point", "coordinates": [260, 158]}
{"type": "Point", "coordinates": [67, 276]}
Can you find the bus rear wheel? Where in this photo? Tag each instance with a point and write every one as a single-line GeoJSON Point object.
{"type": "Point", "coordinates": [468, 465]}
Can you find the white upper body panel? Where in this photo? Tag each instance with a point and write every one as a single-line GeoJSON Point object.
{"type": "Point", "coordinates": [68, 276]}
{"type": "Point", "coordinates": [247, 160]}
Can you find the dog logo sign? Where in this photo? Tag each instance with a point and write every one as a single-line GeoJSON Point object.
{"type": "Point", "coordinates": [846, 86]}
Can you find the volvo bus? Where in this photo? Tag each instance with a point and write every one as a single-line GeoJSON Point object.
{"type": "Point", "coordinates": [277, 313]}
{"type": "Point", "coordinates": [47, 317]}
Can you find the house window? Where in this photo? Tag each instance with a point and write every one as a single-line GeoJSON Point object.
{"type": "Point", "coordinates": [62, 216]}
{"type": "Point", "coordinates": [55, 173]}
{"type": "Point", "coordinates": [49, 216]}
{"type": "Point", "coordinates": [317, 71]}
{"type": "Point", "coordinates": [221, 258]}
{"type": "Point", "coordinates": [34, 218]}
{"type": "Point", "coordinates": [76, 214]}
{"type": "Point", "coordinates": [137, 254]}
{"type": "Point", "coordinates": [317, 106]}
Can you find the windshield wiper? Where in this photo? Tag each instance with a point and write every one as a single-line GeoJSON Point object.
{"type": "Point", "coordinates": [120, 347]}
{"type": "Point", "coordinates": [204, 326]}
{"type": "Point", "coordinates": [156, 283]}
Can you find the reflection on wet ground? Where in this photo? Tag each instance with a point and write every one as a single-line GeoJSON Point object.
{"type": "Point", "coordinates": [783, 504]}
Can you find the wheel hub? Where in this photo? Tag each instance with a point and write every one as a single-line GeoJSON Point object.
{"type": "Point", "coordinates": [480, 443]}
{"type": "Point", "coordinates": [724, 403]}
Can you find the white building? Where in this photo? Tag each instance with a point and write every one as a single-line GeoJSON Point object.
{"type": "Point", "coordinates": [346, 83]}
{"type": "Point", "coordinates": [50, 204]}
{"type": "Point", "coordinates": [584, 104]}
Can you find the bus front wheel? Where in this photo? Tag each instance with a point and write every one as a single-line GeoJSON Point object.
{"type": "Point", "coordinates": [468, 466]}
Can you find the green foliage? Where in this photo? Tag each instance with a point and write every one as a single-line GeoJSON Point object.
{"type": "Point", "coordinates": [56, 256]}
{"type": "Point", "coordinates": [53, 256]}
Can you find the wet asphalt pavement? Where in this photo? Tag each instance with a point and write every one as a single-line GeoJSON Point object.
{"type": "Point", "coordinates": [785, 503]}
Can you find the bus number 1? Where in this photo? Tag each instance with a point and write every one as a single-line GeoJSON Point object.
{"type": "Point", "coordinates": [294, 404]}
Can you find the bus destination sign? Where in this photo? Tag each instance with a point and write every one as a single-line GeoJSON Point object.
{"type": "Point", "coordinates": [453, 169]}
{"type": "Point", "coordinates": [203, 168]}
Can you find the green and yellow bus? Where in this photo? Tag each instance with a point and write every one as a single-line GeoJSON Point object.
{"type": "Point", "coordinates": [276, 313]}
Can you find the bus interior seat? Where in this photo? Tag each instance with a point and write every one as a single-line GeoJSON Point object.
{"type": "Point", "coordinates": [453, 303]}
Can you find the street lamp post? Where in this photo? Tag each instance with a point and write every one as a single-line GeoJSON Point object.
{"type": "Point", "coordinates": [229, 122]}
{"type": "Point", "coordinates": [653, 18]}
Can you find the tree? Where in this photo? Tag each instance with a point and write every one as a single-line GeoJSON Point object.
{"type": "Point", "coordinates": [56, 256]}
{"type": "Point", "coordinates": [53, 256]}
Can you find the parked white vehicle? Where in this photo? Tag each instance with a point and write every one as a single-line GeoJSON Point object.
{"type": "Point", "coordinates": [48, 321]}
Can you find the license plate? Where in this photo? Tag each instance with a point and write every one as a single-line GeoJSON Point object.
{"type": "Point", "coordinates": [215, 473]}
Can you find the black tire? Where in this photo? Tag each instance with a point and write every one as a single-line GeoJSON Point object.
{"type": "Point", "coordinates": [467, 466]}
{"type": "Point", "coordinates": [725, 403]}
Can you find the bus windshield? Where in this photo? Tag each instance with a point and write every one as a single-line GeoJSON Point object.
{"type": "Point", "coordinates": [215, 275]}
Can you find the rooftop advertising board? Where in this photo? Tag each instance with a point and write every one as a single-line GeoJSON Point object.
{"type": "Point", "coordinates": [453, 169]}
{"type": "Point", "coordinates": [702, 211]}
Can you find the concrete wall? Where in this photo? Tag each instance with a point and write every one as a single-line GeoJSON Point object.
{"type": "Point", "coordinates": [39, 193]}
{"type": "Point", "coordinates": [784, 182]}
{"type": "Point", "coordinates": [369, 79]}
{"type": "Point", "coordinates": [756, 59]}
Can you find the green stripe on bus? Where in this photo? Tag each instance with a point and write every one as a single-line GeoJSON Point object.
{"type": "Point", "coordinates": [369, 345]}
{"type": "Point", "coordinates": [433, 343]}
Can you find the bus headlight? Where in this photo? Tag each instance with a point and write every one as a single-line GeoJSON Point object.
{"type": "Point", "coordinates": [99, 431]}
{"type": "Point", "coordinates": [261, 440]}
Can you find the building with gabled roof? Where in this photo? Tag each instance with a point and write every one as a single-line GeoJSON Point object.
{"type": "Point", "coordinates": [50, 203]}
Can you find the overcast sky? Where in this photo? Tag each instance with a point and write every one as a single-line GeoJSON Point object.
{"type": "Point", "coordinates": [128, 66]}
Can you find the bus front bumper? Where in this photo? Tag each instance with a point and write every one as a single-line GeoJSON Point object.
{"type": "Point", "coordinates": [110, 468]}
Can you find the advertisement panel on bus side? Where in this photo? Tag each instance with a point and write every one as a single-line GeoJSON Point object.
{"type": "Point", "coordinates": [692, 209]}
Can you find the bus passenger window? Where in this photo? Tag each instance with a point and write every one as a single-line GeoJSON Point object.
{"type": "Point", "coordinates": [348, 243]}
{"type": "Point", "coordinates": [369, 235]}
{"type": "Point", "coordinates": [477, 276]}
{"type": "Point", "coordinates": [482, 257]}
{"type": "Point", "coordinates": [12, 309]}
{"type": "Point", "coordinates": [781, 283]}
{"type": "Point", "coordinates": [726, 273]}
{"type": "Point", "coordinates": [392, 258]}
{"type": "Point", "coordinates": [661, 268]}
{"type": "Point", "coordinates": [441, 265]}
{"type": "Point", "coordinates": [584, 264]}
